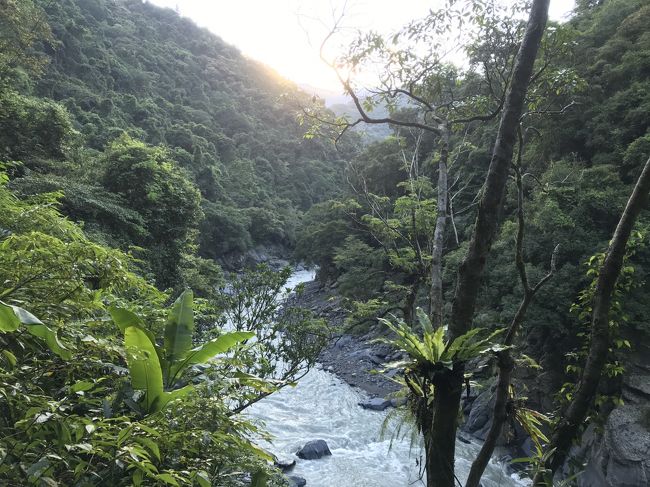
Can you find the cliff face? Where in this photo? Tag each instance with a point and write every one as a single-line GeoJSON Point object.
{"type": "Point", "coordinates": [617, 454]}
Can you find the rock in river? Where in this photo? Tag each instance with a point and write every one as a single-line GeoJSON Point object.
{"type": "Point", "coordinates": [376, 404]}
{"type": "Point", "coordinates": [313, 450]}
{"type": "Point", "coordinates": [284, 464]}
{"type": "Point", "coordinates": [296, 481]}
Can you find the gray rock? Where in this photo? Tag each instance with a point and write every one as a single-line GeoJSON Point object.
{"type": "Point", "coordinates": [398, 401]}
{"type": "Point", "coordinates": [479, 420]}
{"type": "Point", "coordinates": [528, 448]}
{"type": "Point", "coordinates": [313, 450]}
{"type": "Point", "coordinates": [295, 481]}
{"type": "Point", "coordinates": [462, 439]}
{"type": "Point", "coordinates": [284, 464]}
{"type": "Point", "coordinates": [620, 455]}
{"type": "Point", "coordinates": [375, 404]}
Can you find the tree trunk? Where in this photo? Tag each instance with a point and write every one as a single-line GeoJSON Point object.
{"type": "Point", "coordinates": [568, 428]}
{"type": "Point", "coordinates": [506, 365]}
{"type": "Point", "coordinates": [440, 455]}
{"type": "Point", "coordinates": [505, 361]}
{"type": "Point", "coordinates": [469, 275]}
{"type": "Point", "coordinates": [409, 302]}
{"type": "Point", "coordinates": [439, 232]}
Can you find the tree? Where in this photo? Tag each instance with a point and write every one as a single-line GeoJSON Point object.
{"type": "Point", "coordinates": [423, 90]}
{"type": "Point", "coordinates": [432, 86]}
{"type": "Point", "coordinates": [440, 458]}
{"type": "Point", "coordinates": [22, 26]}
{"type": "Point", "coordinates": [151, 184]}
{"type": "Point", "coordinates": [567, 428]}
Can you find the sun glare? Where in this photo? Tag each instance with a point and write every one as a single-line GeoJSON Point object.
{"type": "Point", "coordinates": [286, 34]}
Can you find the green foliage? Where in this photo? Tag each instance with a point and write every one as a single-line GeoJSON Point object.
{"type": "Point", "coordinates": [582, 309]}
{"type": "Point", "coordinates": [169, 203]}
{"type": "Point", "coordinates": [22, 26]}
{"type": "Point", "coordinates": [32, 127]}
{"type": "Point", "coordinates": [131, 67]}
{"type": "Point", "coordinates": [69, 415]}
{"type": "Point", "coordinates": [432, 351]}
{"type": "Point", "coordinates": [11, 317]}
{"type": "Point", "coordinates": [287, 339]}
{"type": "Point", "coordinates": [155, 369]}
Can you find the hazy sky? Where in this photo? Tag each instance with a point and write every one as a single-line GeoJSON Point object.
{"type": "Point", "coordinates": [285, 34]}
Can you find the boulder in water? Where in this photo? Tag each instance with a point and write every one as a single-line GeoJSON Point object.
{"type": "Point", "coordinates": [296, 481]}
{"type": "Point", "coordinates": [284, 464]}
{"type": "Point", "coordinates": [314, 449]}
{"type": "Point", "coordinates": [375, 404]}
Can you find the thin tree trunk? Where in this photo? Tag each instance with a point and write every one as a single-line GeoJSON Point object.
{"type": "Point", "coordinates": [440, 467]}
{"type": "Point", "coordinates": [439, 232]}
{"type": "Point", "coordinates": [409, 302]}
{"type": "Point", "coordinates": [568, 428]}
{"type": "Point", "coordinates": [505, 361]}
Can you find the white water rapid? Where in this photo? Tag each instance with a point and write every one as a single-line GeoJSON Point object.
{"type": "Point", "coordinates": [323, 407]}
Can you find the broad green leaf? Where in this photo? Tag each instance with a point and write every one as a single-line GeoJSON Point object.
{"type": "Point", "coordinates": [51, 339]}
{"type": "Point", "coordinates": [8, 320]}
{"type": "Point", "coordinates": [25, 317]}
{"type": "Point", "coordinates": [203, 478]}
{"type": "Point", "coordinates": [124, 318]}
{"type": "Point", "coordinates": [168, 397]}
{"type": "Point", "coordinates": [151, 445]}
{"type": "Point", "coordinates": [209, 350]}
{"type": "Point", "coordinates": [11, 358]}
{"type": "Point", "coordinates": [167, 478]}
{"type": "Point", "coordinates": [260, 479]}
{"type": "Point", "coordinates": [179, 328]}
{"type": "Point", "coordinates": [144, 366]}
{"type": "Point", "coordinates": [82, 385]}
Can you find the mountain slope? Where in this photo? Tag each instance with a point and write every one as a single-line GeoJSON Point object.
{"type": "Point", "coordinates": [128, 66]}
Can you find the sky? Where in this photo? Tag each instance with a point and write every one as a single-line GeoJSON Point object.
{"type": "Point", "coordinates": [286, 34]}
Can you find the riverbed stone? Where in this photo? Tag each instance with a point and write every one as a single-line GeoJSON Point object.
{"type": "Point", "coordinates": [285, 464]}
{"type": "Point", "coordinates": [313, 450]}
{"type": "Point", "coordinates": [375, 404]}
{"type": "Point", "coordinates": [295, 481]}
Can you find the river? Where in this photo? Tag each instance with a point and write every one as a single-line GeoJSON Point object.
{"type": "Point", "coordinates": [323, 407]}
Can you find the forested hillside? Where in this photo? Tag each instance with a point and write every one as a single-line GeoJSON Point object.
{"type": "Point", "coordinates": [117, 74]}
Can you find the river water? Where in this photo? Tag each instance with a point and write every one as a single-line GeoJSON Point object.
{"type": "Point", "coordinates": [323, 407]}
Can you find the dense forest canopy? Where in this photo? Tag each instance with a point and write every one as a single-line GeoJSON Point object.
{"type": "Point", "coordinates": [225, 126]}
{"type": "Point", "coordinates": [142, 158]}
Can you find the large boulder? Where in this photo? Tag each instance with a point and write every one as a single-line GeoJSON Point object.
{"type": "Point", "coordinates": [620, 455]}
{"type": "Point", "coordinates": [480, 416]}
{"type": "Point", "coordinates": [375, 404]}
{"type": "Point", "coordinates": [313, 450]}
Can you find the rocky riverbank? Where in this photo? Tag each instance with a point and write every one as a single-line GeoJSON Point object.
{"type": "Point", "coordinates": [614, 454]}
{"type": "Point", "coordinates": [353, 358]}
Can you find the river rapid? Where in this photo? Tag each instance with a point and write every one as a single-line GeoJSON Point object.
{"type": "Point", "coordinates": [321, 406]}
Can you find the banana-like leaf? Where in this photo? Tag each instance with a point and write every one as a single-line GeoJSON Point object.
{"type": "Point", "coordinates": [144, 367]}
{"type": "Point", "coordinates": [124, 318]}
{"type": "Point", "coordinates": [168, 397]}
{"type": "Point", "coordinates": [207, 351]}
{"type": "Point", "coordinates": [179, 329]}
